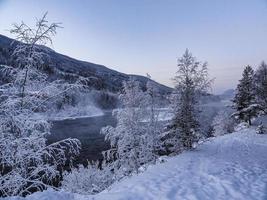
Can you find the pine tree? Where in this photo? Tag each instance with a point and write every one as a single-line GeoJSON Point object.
{"type": "Point", "coordinates": [261, 85]}
{"type": "Point", "coordinates": [244, 100]}
{"type": "Point", "coordinates": [191, 81]}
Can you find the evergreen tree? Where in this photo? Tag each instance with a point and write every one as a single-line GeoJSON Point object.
{"type": "Point", "coordinates": [244, 100]}
{"type": "Point", "coordinates": [191, 81]}
{"type": "Point", "coordinates": [261, 85]}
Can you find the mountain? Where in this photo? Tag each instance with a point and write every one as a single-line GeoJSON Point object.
{"type": "Point", "coordinates": [61, 66]}
{"type": "Point", "coordinates": [228, 94]}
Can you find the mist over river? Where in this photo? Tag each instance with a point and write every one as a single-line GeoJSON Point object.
{"type": "Point", "coordinates": [87, 130]}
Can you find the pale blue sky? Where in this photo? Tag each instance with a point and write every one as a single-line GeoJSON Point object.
{"type": "Point", "coordinates": [147, 36]}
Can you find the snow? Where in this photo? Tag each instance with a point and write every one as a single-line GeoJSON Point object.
{"type": "Point", "coordinates": [46, 195]}
{"type": "Point", "coordinates": [163, 114]}
{"type": "Point", "coordinates": [232, 166]}
{"type": "Point", "coordinates": [260, 120]}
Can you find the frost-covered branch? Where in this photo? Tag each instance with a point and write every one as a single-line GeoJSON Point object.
{"type": "Point", "coordinates": [27, 163]}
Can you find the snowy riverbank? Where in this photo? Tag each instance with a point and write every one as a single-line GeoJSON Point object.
{"type": "Point", "coordinates": [228, 167]}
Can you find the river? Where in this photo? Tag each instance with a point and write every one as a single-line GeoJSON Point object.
{"type": "Point", "coordinates": [87, 130]}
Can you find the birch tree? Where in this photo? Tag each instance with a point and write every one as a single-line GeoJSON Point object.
{"type": "Point", "coordinates": [27, 162]}
{"type": "Point", "coordinates": [133, 140]}
{"type": "Point", "coordinates": [191, 81]}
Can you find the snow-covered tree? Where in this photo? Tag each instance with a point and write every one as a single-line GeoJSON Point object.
{"type": "Point", "coordinates": [87, 180]}
{"type": "Point", "coordinates": [244, 100]}
{"type": "Point", "coordinates": [223, 123]}
{"type": "Point", "coordinates": [191, 81]}
{"type": "Point", "coordinates": [131, 139]}
{"type": "Point", "coordinates": [261, 129]}
{"type": "Point", "coordinates": [134, 141]}
{"type": "Point", "coordinates": [27, 162]}
{"type": "Point", "coordinates": [153, 126]}
{"type": "Point", "coordinates": [261, 85]}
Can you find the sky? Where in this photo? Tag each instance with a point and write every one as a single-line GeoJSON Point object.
{"type": "Point", "coordinates": [147, 36]}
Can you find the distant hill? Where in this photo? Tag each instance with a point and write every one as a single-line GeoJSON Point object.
{"type": "Point", "coordinates": [64, 67]}
{"type": "Point", "coordinates": [228, 94]}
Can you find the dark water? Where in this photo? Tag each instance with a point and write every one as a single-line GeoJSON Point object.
{"type": "Point", "coordinates": [87, 131]}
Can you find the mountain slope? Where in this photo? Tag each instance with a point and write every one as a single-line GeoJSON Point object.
{"type": "Point", "coordinates": [228, 167]}
{"type": "Point", "coordinates": [58, 65]}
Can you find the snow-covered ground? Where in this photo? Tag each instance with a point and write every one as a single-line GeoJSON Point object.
{"type": "Point", "coordinates": [233, 166]}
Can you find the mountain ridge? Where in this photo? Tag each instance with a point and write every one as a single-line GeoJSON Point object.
{"type": "Point", "coordinates": [102, 77]}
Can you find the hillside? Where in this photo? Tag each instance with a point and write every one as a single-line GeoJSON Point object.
{"type": "Point", "coordinates": [61, 66]}
{"type": "Point", "coordinates": [228, 167]}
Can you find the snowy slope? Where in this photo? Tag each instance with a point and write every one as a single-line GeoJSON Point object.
{"type": "Point", "coordinates": [228, 167]}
